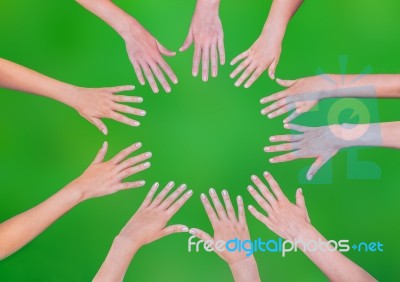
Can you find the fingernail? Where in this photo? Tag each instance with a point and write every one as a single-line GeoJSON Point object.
{"type": "Point", "coordinates": [272, 160]}
{"type": "Point", "coordinates": [266, 173]}
{"type": "Point", "coordinates": [212, 191]}
{"type": "Point", "coordinates": [192, 231]}
{"type": "Point", "coordinates": [250, 188]}
{"type": "Point", "coordinates": [139, 144]}
{"type": "Point", "coordinates": [190, 192]}
{"type": "Point", "coordinates": [239, 198]}
{"type": "Point", "coordinates": [270, 116]}
{"type": "Point", "coordinates": [170, 184]}
{"type": "Point", "coordinates": [202, 196]}
{"type": "Point", "coordinates": [285, 121]}
{"type": "Point", "coordinates": [168, 90]}
{"type": "Point", "coordinates": [148, 154]}
{"type": "Point", "coordinates": [237, 84]}
{"type": "Point", "coordinates": [286, 125]}
{"type": "Point", "coordinates": [262, 101]}
{"type": "Point", "coordinates": [246, 86]}
{"type": "Point", "coordinates": [195, 74]}
{"type": "Point", "coordinates": [146, 164]}
{"type": "Point", "coordinates": [263, 112]}
{"type": "Point", "coordinates": [253, 177]}
{"type": "Point", "coordinates": [273, 138]}
{"type": "Point", "coordinates": [183, 187]}
{"type": "Point", "coordinates": [155, 186]}
{"type": "Point", "coordinates": [142, 183]}
{"type": "Point", "coordinates": [175, 81]}
{"type": "Point", "coordinates": [267, 149]}
{"type": "Point", "coordinates": [136, 123]}
{"type": "Point", "coordinates": [301, 191]}
{"type": "Point", "coordinates": [139, 99]}
{"type": "Point", "coordinates": [224, 192]}
{"type": "Point", "coordinates": [251, 207]}
{"type": "Point", "coordinates": [185, 229]}
{"type": "Point", "coordinates": [142, 113]}
{"type": "Point", "coordinates": [104, 131]}
{"type": "Point", "coordinates": [104, 144]}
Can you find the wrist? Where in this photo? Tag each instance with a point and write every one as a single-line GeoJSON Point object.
{"type": "Point", "coordinates": [208, 6]}
{"type": "Point", "coordinates": [125, 244]}
{"type": "Point", "coordinates": [72, 195]}
{"type": "Point", "coordinates": [245, 270]}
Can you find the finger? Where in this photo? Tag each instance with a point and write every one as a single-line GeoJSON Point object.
{"type": "Point", "coordinates": [133, 161]}
{"type": "Point", "coordinates": [264, 190]}
{"type": "Point", "coordinates": [205, 56]}
{"type": "Point", "coordinates": [196, 60]}
{"type": "Point", "coordinates": [123, 88]}
{"type": "Point", "coordinates": [315, 167]}
{"type": "Point", "coordinates": [256, 74]}
{"type": "Point", "coordinates": [125, 152]}
{"type": "Point", "coordinates": [99, 124]}
{"type": "Point", "coordinates": [167, 69]}
{"type": "Point", "coordinates": [241, 212]}
{"type": "Point", "coordinates": [150, 195]}
{"type": "Point", "coordinates": [132, 170]}
{"type": "Point", "coordinates": [150, 77]}
{"type": "Point", "coordinates": [127, 99]}
{"type": "Point", "coordinates": [138, 71]}
{"type": "Point", "coordinates": [240, 68]}
{"type": "Point", "coordinates": [128, 110]}
{"type": "Point", "coordinates": [171, 198]}
{"type": "Point", "coordinates": [164, 50]}
{"type": "Point", "coordinates": [300, 202]}
{"type": "Point", "coordinates": [280, 148]}
{"type": "Point", "coordinates": [178, 228]}
{"type": "Point", "coordinates": [281, 111]}
{"type": "Point", "coordinates": [221, 50]}
{"type": "Point", "coordinates": [123, 119]}
{"type": "Point", "coordinates": [175, 207]}
{"type": "Point", "coordinates": [202, 236]}
{"type": "Point", "coordinates": [239, 58]}
{"type": "Point", "coordinates": [286, 138]}
{"type": "Point", "coordinates": [274, 97]}
{"type": "Point", "coordinates": [260, 200]}
{"type": "Point", "coordinates": [274, 186]}
{"type": "Point", "coordinates": [160, 76]}
{"type": "Point", "coordinates": [264, 219]}
{"type": "Point", "coordinates": [285, 83]}
{"type": "Point", "coordinates": [284, 158]}
{"type": "Point", "coordinates": [130, 185]}
{"type": "Point", "coordinates": [217, 204]}
{"type": "Point", "coordinates": [292, 116]}
{"type": "Point", "coordinates": [295, 127]}
{"type": "Point", "coordinates": [160, 197]}
{"type": "Point", "coordinates": [188, 42]}
{"type": "Point", "coordinates": [272, 68]}
{"type": "Point", "coordinates": [214, 60]}
{"type": "Point", "coordinates": [212, 216]}
{"type": "Point", "coordinates": [101, 154]}
{"type": "Point", "coordinates": [228, 205]}
{"type": "Point", "coordinates": [277, 105]}
{"type": "Point", "coordinates": [248, 71]}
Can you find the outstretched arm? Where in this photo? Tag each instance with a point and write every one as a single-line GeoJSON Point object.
{"type": "Point", "coordinates": [265, 52]}
{"type": "Point", "coordinates": [303, 94]}
{"type": "Point", "coordinates": [291, 222]}
{"type": "Point", "coordinates": [100, 179]}
{"type": "Point", "coordinates": [144, 51]}
{"type": "Point", "coordinates": [148, 224]}
{"type": "Point", "coordinates": [91, 103]}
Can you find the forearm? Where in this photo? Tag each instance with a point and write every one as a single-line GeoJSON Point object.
{"type": "Point", "coordinates": [16, 77]}
{"type": "Point", "coordinates": [117, 261]}
{"type": "Point", "coordinates": [375, 134]}
{"type": "Point", "coordinates": [245, 270]}
{"type": "Point", "coordinates": [333, 264]}
{"type": "Point", "coordinates": [21, 229]}
{"type": "Point", "coordinates": [279, 16]}
{"type": "Point", "coordinates": [110, 13]}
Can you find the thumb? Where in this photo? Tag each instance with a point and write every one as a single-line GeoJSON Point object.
{"type": "Point", "coordinates": [285, 83]}
{"type": "Point", "coordinates": [272, 68]}
{"type": "Point", "coordinates": [187, 43]}
{"type": "Point", "coordinates": [164, 50]}
{"type": "Point", "coordinates": [99, 124]}
{"type": "Point", "coordinates": [301, 203]}
{"type": "Point", "coordinates": [178, 228]}
{"type": "Point", "coordinates": [315, 167]}
{"type": "Point", "coordinates": [101, 154]}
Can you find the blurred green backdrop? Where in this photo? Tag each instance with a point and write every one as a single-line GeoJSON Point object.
{"type": "Point", "coordinates": [203, 134]}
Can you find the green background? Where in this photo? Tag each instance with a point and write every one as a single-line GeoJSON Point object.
{"type": "Point", "coordinates": [202, 134]}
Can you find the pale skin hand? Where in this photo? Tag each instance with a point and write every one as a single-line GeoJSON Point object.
{"type": "Point", "coordinates": [147, 225]}
{"type": "Point", "coordinates": [144, 51]}
{"type": "Point", "coordinates": [100, 179]}
{"type": "Point", "coordinates": [208, 37]}
{"type": "Point", "coordinates": [291, 222]}
{"type": "Point", "coordinates": [91, 103]}
{"type": "Point", "coordinates": [303, 94]}
{"type": "Point", "coordinates": [228, 226]}
{"type": "Point", "coordinates": [265, 52]}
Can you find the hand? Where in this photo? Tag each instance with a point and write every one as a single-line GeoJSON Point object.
{"type": "Point", "coordinates": [104, 178]}
{"type": "Point", "coordinates": [264, 54]}
{"type": "Point", "coordinates": [145, 54]}
{"type": "Point", "coordinates": [149, 223]}
{"type": "Point", "coordinates": [287, 220]}
{"type": "Point", "coordinates": [321, 143]}
{"type": "Point", "coordinates": [301, 96]}
{"type": "Point", "coordinates": [226, 225]}
{"type": "Point", "coordinates": [96, 103]}
{"type": "Point", "coordinates": [207, 34]}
